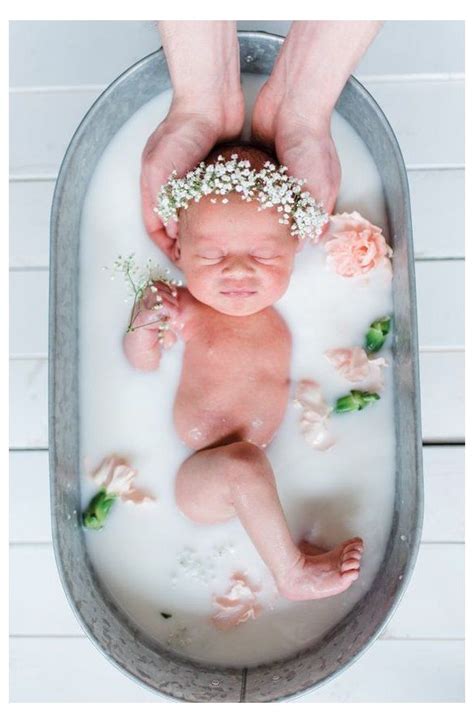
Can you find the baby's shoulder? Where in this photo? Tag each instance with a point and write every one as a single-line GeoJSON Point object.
{"type": "Point", "coordinates": [276, 324]}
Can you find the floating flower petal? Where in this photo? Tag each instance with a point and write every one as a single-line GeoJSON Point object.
{"type": "Point", "coordinates": [115, 479]}
{"type": "Point", "coordinates": [238, 605]}
{"type": "Point", "coordinates": [354, 364]}
{"type": "Point", "coordinates": [315, 415]}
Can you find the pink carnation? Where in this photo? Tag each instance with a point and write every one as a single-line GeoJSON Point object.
{"type": "Point", "coordinates": [354, 245]}
{"type": "Point", "coordinates": [354, 364]}
{"type": "Point", "coordinates": [118, 478]}
{"type": "Point", "coordinates": [238, 605]}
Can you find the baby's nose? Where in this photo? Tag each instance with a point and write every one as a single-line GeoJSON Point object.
{"type": "Point", "coordinates": [238, 266]}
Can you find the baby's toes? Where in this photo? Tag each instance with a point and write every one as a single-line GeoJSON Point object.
{"type": "Point", "coordinates": [352, 552]}
{"type": "Point", "coordinates": [356, 545]}
{"type": "Point", "coordinates": [350, 563]}
{"type": "Point", "coordinates": [349, 576]}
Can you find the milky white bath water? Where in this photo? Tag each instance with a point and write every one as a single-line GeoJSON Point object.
{"type": "Point", "coordinates": [151, 558]}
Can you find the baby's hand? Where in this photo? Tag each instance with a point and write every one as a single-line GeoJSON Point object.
{"type": "Point", "coordinates": [153, 326]}
{"type": "Point", "coordinates": [144, 341]}
{"type": "Point", "coordinates": [162, 297]}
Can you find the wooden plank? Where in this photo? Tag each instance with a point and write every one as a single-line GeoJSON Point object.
{"type": "Point", "coordinates": [442, 399]}
{"type": "Point", "coordinates": [29, 299]}
{"type": "Point", "coordinates": [29, 403]}
{"type": "Point", "coordinates": [34, 576]}
{"type": "Point", "coordinates": [77, 52]}
{"type": "Point", "coordinates": [29, 497]}
{"type": "Point", "coordinates": [83, 52]}
{"type": "Point", "coordinates": [433, 605]}
{"type": "Point", "coordinates": [437, 203]}
{"type": "Point", "coordinates": [68, 670]}
{"type": "Point", "coordinates": [413, 46]}
{"type": "Point", "coordinates": [442, 396]}
{"type": "Point", "coordinates": [30, 205]}
{"type": "Point", "coordinates": [42, 123]}
{"type": "Point", "coordinates": [444, 495]}
{"type": "Point", "coordinates": [41, 126]}
{"type": "Point", "coordinates": [443, 469]}
{"type": "Point", "coordinates": [418, 671]}
{"type": "Point", "coordinates": [440, 301]}
{"type": "Point", "coordinates": [72, 670]}
{"type": "Point", "coordinates": [432, 132]}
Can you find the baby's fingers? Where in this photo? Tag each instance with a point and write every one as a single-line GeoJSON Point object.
{"type": "Point", "coordinates": [148, 319]}
{"type": "Point", "coordinates": [160, 294]}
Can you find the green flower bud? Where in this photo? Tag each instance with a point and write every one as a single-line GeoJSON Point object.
{"type": "Point", "coordinates": [346, 404]}
{"type": "Point", "coordinates": [377, 333]}
{"type": "Point", "coordinates": [355, 401]}
{"type": "Point", "coordinates": [98, 509]}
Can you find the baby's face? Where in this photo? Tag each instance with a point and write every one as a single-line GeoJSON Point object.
{"type": "Point", "coordinates": [236, 259]}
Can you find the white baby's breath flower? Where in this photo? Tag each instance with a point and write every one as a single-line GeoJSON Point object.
{"type": "Point", "coordinates": [270, 186]}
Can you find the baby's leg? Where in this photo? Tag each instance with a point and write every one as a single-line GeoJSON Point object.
{"type": "Point", "coordinates": [216, 484]}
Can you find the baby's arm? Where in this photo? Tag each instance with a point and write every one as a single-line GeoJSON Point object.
{"type": "Point", "coordinates": [153, 330]}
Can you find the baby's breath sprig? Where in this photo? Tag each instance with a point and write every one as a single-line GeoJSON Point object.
{"type": "Point", "coordinates": [271, 187]}
{"type": "Point", "coordinates": [142, 282]}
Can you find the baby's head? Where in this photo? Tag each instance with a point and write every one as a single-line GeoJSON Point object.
{"type": "Point", "coordinates": [241, 219]}
{"type": "Point", "coordinates": [236, 258]}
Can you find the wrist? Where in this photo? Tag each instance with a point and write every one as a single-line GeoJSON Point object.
{"type": "Point", "coordinates": [204, 62]}
{"type": "Point", "coordinates": [226, 113]}
{"type": "Point", "coordinates": [294, 107]}
{"type": "Point", "coordinates": [313, 110]}
{"type": "Point", "coordinates": [315, 62]}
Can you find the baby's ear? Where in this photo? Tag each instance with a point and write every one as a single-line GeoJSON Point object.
{"type": "Point", "coordinates": [177, 251]}
{"type": "Point", "coordinates": [166, 243]}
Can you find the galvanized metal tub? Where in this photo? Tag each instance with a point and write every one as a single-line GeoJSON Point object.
{"type": "Point", "coordinates": [124, 645]}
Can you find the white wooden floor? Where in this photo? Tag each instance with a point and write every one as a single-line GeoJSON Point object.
{"type": "Point", "coordinates": [415, 72]}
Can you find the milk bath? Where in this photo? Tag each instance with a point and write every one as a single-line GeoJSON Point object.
{"type": "Point", "coordinates": [151, 558]}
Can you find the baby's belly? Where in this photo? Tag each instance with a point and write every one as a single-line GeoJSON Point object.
{"type": "Point", "coordinates": [210, 411]}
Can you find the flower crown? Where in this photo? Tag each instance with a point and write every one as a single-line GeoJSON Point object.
{"type": "Point", "coordinates": [271, 187]}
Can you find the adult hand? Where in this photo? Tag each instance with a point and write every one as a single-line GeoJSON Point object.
{"type": "Point", "coordinates": [179, 143]}
{"type": "Point", "coordinates": [303, 144]}
{"type": "Point", "coordinates": [207, 108]}
{"type": "Point", "coordinates": [293, 109]}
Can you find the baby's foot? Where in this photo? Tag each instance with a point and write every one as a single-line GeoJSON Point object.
{"type": "Point", "coordinates": [322, 575]}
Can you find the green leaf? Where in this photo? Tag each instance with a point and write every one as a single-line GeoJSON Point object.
{"type": "Point", "coordinates": [98, 509]}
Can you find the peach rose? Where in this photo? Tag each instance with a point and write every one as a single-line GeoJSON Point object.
{"type": "Point", "coordinates": [354, 364]}
{"type": "Point", "coordinates": [315, 415]}
{"type": "Point", "coordinates": [238, 605]}
{"type": "Point", "coordinates": [354, 245]}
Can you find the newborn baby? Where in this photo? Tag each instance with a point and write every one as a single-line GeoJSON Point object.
{"type": "Point", "coordinates": [234, 384]}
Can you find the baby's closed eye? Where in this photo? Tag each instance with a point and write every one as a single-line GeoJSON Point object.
{"type": "Point", "coordinates": [211, 255]}
{"type": "Point", "coordinates": [265, 256]}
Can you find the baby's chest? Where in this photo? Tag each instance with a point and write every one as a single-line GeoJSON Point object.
{"type": "Point", "coordinates": [252, 350]}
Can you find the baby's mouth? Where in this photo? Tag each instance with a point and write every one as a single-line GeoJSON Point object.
{"type": "Point", "coordinates": [238, 292]}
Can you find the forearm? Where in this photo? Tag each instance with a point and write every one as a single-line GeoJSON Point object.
{"type": "Point", "coordinates": [203, 59]}
{"type": "Point", "coordinates": [316, 60]}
